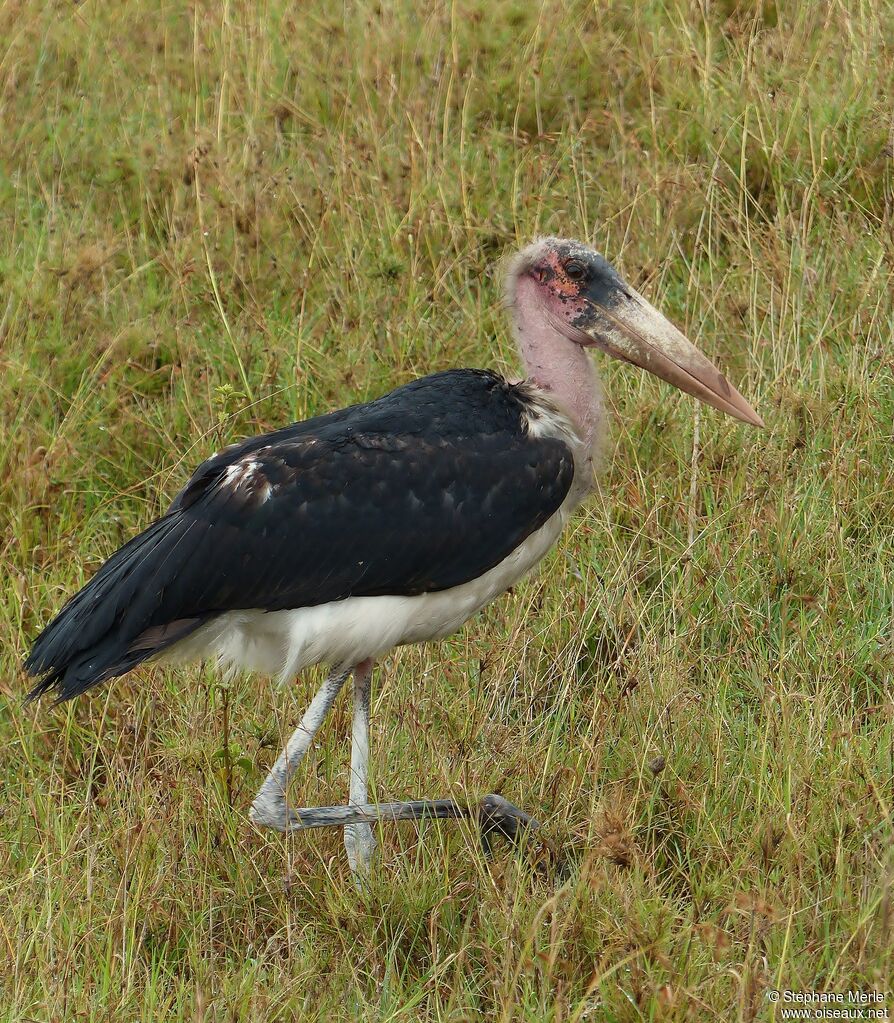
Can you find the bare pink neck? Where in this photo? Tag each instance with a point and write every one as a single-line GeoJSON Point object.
{"type": "Point", "coordinates": [557, 364]}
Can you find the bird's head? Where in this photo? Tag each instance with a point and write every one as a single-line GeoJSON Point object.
{"type": "Point", "coordinates": [563, 287]}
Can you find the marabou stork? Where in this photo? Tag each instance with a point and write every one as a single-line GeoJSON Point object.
{"type": "Point", "coordinates": [392, 522]}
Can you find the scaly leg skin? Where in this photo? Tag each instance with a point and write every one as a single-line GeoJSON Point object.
{"type": "Point", "coordinates": [269, 807]}
{"type": "Point", "coordinates": [360, 843]}
{"type": "Point", "coordinates": [495, 816]}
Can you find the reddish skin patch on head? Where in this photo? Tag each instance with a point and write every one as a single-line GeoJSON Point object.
{"type": "Point", "coordinates": [555, 291]}
{"type": "Point", "coordinates": [559, 282]}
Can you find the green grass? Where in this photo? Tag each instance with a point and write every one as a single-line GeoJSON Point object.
{"type": "Point", "coordinates": [219, 218]}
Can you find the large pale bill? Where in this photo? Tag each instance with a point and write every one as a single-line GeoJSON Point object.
{"type": "Point", "coordinates": [632, 329]}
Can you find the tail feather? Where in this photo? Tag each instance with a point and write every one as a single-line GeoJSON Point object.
{"type": "Point", "coordinates": [109, 626]}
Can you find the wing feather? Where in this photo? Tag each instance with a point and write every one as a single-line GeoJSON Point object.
{"type": "Point", "coordinates": [419, 491]}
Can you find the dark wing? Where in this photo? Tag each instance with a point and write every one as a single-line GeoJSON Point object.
{"type": "Point", "coordinates": [420, 491]}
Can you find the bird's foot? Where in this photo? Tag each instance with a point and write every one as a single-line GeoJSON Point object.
{"type": "Point", "coordinates": [497, 816]}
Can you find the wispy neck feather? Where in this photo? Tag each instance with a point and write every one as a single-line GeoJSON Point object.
{"type": "Point", "coordinates": [557, 364]}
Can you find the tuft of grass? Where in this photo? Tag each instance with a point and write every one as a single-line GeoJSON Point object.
{"type": "Point", "coordinates": [220, 218]}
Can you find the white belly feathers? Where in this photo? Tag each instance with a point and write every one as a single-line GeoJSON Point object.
{"type": "Point", "coordinates": [347, 631]}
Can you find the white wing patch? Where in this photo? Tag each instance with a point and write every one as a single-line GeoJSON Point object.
{"type": "Point", "coordinates": [248, 475]}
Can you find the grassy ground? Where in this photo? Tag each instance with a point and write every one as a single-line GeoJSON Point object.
{"type": "Point", "coordinates": [217, 218]}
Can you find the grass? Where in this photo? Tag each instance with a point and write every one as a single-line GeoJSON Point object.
{"type": "Point", "coordinates": [217, 218]}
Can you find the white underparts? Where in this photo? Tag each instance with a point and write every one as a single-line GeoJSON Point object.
{"type": "Point", "coordinates": [283, 643]}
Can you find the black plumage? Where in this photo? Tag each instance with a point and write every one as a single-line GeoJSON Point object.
{"type": "Point", "coordinates": [421, 490]}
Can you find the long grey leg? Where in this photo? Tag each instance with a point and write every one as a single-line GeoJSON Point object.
{"type": "Point", "coordinates": [360, 842]}
{"type": "Point", "coordinates": [269, 806]}
{"type": "Point", "coordinates": [495, 816]}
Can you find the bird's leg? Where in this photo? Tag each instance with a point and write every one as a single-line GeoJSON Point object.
{"type": "Point", "coordinates": [495, 816]}
{"type": "Point", "coordinates": [360, 842]}
{"type": "Point", "coordinates": [269, 806]}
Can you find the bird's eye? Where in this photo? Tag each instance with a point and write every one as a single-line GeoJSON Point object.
{"type": "Point", "coordinates": [575, 270]}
